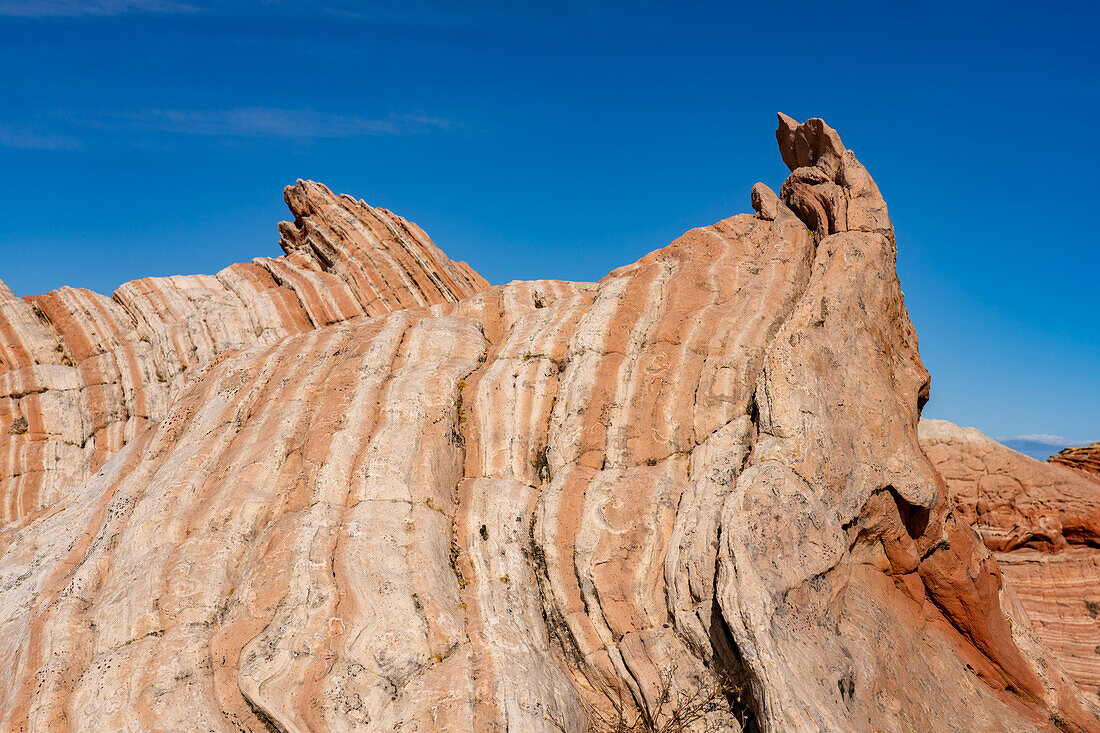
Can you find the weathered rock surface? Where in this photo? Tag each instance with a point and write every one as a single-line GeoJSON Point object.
{"type": "Point", "coordinates": [81, 375]}
{"type": "Point", "coordinates": [1042, 520]}
{"type": "Point", "coordinates": [1085, 458]}
{"type": "Point", "coordinates": [500, 511]}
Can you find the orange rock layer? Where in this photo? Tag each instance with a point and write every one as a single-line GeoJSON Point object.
{"type": "Point", "coordinates": [81, 375]}
{"type": "Point", "coordinates": [1042, 520]}
{"type": "Point", "coordinates": [510, 508]}
{"type": "Point", "coordinates": [1085, 458]}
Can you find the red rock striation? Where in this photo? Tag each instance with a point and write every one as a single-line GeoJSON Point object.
{"type": "Point", "coordinates": [510, 511]}
{"type": "Point", "coordinates": [1085, 458]}
{"type": "Point", "coordinates": [1042, 520]}
{"type": "Point", "coordinates": [81, 375]}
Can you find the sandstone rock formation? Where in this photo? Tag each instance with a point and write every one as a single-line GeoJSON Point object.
{"type": "Point", "coordinates": [1085, 458]}
{"type": "Point", "coordinates": [422, 504]}
{"type": "Point", "coordinates": [1042, 520]}
{"type": "Point", "coordinates": [82, 375]}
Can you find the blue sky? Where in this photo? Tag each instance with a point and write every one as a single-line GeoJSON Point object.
{"type": "Point", "coordinates": [152, 137]}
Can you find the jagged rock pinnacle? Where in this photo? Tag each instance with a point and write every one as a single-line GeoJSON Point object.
{"type": "Point", "coordinates": [354, 488]}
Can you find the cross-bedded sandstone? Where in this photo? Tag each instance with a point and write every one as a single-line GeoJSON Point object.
{"type": "Point", "coordinates": [382, 496]}
{"type": "Point", "coordinates": [83, 375]}
{"type": "Point", "coordinates": [1042, 522]}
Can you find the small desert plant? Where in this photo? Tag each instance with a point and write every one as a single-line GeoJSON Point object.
{"type": "Point", "coordinates": [541, 463]}
{"type": "Point", "coordinates": [704, 708]}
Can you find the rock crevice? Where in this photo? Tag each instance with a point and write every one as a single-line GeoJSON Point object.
{"type": "Point", "coordinates": [355, 488]}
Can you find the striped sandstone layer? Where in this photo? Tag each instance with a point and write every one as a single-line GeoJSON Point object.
{"type": "Point", "coordinates": [82, 375]}
{"type": "Point", "coordinates": [1085, 458]}
{"type": "Point", "coordinates": [505, 512]}
{"type": "Point", "coordinates": [1042, 520]}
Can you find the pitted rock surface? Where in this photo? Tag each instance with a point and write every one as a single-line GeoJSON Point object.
{"type": "Point", "coordinates": [1042, 521]}
{"type": "Point", "coordinates": [356, 489]}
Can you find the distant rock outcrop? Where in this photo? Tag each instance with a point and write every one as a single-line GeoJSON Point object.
{"type": "Point", "coordinates": [1042, 521]}
{"type": "Point", "coordinates": [355, 489]}
{"type": "Point", "coordinates": [1085, 458]}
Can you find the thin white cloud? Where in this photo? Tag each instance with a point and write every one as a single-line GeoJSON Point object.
{"type": "Point", "coordinates": [1055, 441]}
{"type": "Point", "coordinates": [482, 14]}
{"type": "Point", "coordinates": [403, 12]}
{"type": "Point", "coordinates": [479, 14]}
{"type": "Point", "coordinates": [84, 8]}
{"type": "Point", "coordinates": [266, 122]}
{"type": "Point", "coordinates": [23, 138]}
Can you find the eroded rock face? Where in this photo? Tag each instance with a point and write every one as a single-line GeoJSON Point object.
{"type": "Point", "coordinates": [503, 508]}
{"type": "Point", "coordinates": [1042, 520]}
{"type": "Point", "coordinates": [1085, 458]}
{"type": "Point", "coordinates": [81, 375]}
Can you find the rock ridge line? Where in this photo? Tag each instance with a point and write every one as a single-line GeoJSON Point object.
{"type": "Point", "coordinates": [382, 495]}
